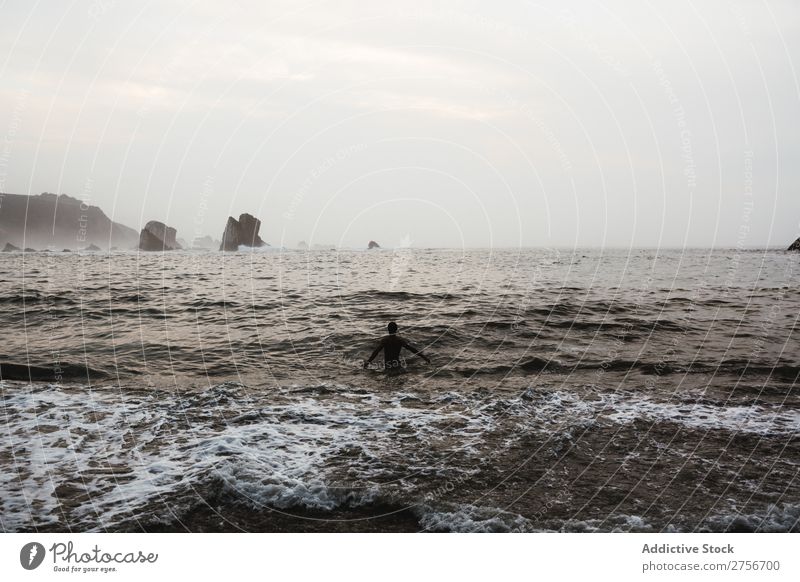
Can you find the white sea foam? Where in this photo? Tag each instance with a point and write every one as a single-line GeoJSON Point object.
{"type": "Point", "coordinates": [613, 523]}
{"type": "Point", "coordinates": [763, 420]}
{"type": "Point", "coordinates": [472, 519]}
{"type": "Point", "coordinates": [782, 517]}
{"type": "Point", "coordinates": [93, 457]}
{"type": "Point", "coordinates": [555, 407]}
{"type": "Point", "coordinates": [125, 452]}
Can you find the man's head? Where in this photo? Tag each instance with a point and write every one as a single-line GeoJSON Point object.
{"type": "Point", "coordinates": [392, 327]}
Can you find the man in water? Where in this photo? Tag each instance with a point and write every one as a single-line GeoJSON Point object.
{"type": "Point", "coordinates": [391, 346]}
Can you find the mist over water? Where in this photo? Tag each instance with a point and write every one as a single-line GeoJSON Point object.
{"type": "Point", "coordinates": [570, 390]}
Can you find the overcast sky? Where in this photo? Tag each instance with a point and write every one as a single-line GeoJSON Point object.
{"type": "Point", "coordinates": [440, 123]}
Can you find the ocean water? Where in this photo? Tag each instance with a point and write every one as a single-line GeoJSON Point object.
{"type": "Point", "coordinates": [569, 390]}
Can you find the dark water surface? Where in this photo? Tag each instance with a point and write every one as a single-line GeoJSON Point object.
{"type": "Point", "coordinates": [570, 390]}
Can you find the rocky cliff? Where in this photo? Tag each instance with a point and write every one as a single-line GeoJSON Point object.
{"type": "Point", "coordinates": [48, 220]}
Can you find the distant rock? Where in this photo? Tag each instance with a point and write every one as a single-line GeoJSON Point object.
{"type": "Point", "coordinates": [241, 232]}
{"type": "Point", "coordinates": [182, 243]}
{"type": "Point", "coordinates": [9, 248]}
{"type": "Point", "coordinates": [302, 245]}
{"type": "Point", "coordinates": [28, 250]}
{"type": "Point", "coordinates": [157, 236]}
{"type": "Point", "coordinates": [795, 245]}
{"type": "Point", "coordinates": [203, 243]}
{"type": "Point", "coordinates": [373, 245]}
{"type": "Point", "coordinates": [66, 251]}
{"type": "Point", "coordinates": [92, 247]}
{"type": "Point", "coordinates": [56, 221]}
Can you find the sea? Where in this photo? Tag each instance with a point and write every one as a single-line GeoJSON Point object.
{"type": "Point", "coordinates": [569, 390]}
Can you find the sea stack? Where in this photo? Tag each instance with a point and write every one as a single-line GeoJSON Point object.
{"type": "Point", "coordinates": [9, 248]}
{"type": "Point", "coordinates": [241, 232]}
{"type": "Point", "coordinates": [373, 245]}
{"type": "Point", "coordinates": [157, 236]}
{"type": "Point", "coordinates": [795, 246]}
{"type": "Point", "coordinates": [204, 242]}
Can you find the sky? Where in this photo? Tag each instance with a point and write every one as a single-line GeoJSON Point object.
{"type": "Point", "coordinates": [424, 124]}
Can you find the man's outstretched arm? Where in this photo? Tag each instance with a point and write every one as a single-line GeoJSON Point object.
{"type": "Point", "coordinates": [375, 353]}
{"type": "Point", "coordinates": [415, 351]}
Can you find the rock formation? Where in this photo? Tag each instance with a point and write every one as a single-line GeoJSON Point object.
{"type": "Point", "coordinates": [795, 245]}
{"type": "Point", "coordinates": [157, 236]}
{"type": "Point", "coordinates": [302, 245]}
{"type": "Point", "coordinates": [52, 221]}
{"type": "Point", "coordinates": [92, 247]}
{"type": "Point", "coordinates": [241, 232]}
{"type": "Point", "coordinates": [203, 243]}
{"type": "Point", "coordinates": [373, 245]}
{"type": "Point", "coordinates": [231, 235]}
{"type": "Point", "coordinates": [9, 248]}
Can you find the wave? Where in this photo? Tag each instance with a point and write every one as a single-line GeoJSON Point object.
{"type": "Point", "coordinates": [111, 458]}
{"type": "Point", "coordinates": [223, 443]}
{"type": "Point", "coordinates": [398, 295]}
{"type": "Point", "coordinates": [615, 523]}
{"type": "Point", "coordinates": [733, 368]}
{"type": "Point", "coordinates": [52, 373]}
{"type": "Point", "coordinates": [527, 366]}
{"type": "Point", "coordinates": [205, 304]}
{"type": "Point", "coordinates": [624, 325]}
{"type": "Point", "coordinates": [261, 250]}
{"type": "Point", "coordinates": [747, 367]}
{"type": "Point", "coordinates": [469, 518]}
{"type": "Point", "coordinates": [249, 485]}
{"type": "Point", "coordinates": [776, 518]}
{"type": "Point", "coordinates": [34, 297]}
